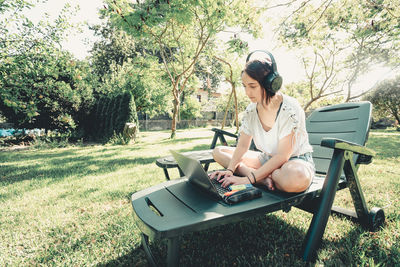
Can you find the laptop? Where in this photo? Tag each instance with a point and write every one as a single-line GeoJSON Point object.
{"type": "Point", "coordinates": [198, 176]}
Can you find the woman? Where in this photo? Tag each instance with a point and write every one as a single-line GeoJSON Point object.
{"type": "Point", "coordinates": [276, 123]}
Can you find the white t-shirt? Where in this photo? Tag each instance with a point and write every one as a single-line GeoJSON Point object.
{"type": "Point", "coordinates": [291, 117]}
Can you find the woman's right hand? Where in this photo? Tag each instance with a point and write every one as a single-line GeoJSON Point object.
{"type": "Point", "coordinates": [219, 174]}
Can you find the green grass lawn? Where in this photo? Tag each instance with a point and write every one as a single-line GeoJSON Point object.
{"type": "Point", "coordinates": [71, 206]}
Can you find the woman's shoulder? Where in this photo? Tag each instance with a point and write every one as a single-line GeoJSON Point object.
{"type": "Point", "coordinates": [252, 107]}
{"type": "Point", "coordinates": [290, 101]}
{"type": "Point", "coordinates": [291, 109]}
{"type": "Point", "coordinates": [291, 104]}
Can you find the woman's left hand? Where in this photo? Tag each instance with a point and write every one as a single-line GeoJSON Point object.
{"type": "Point", "coordinates": [233, 180]}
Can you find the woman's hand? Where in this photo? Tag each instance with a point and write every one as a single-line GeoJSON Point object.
{"type": "Point", "coordinates": [219, 174]}
{"type": "Point", "coordinates": [233, 180]}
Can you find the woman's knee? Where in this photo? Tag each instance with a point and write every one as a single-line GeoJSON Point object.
{"type": "Point", "coordinates": [217, 151]}
{"type": "Point", "coordinates": [292, 177]}
{"type": "Point", "coordinates": [220, 152]}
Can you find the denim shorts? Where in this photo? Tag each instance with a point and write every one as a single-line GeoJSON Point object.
{"type": "Point", "coordinates": [307, 157]}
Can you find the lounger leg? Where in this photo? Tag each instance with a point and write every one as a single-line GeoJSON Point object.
{"type": "Point", "coordinates": [181, 172]}
{"type": "Point", "coordinates": [320, 218]}
{"type": "Point", "coordinates": [355, 190]}
{"type": "Point", "coordinates": [361, 213]}
{"type": "Point", "coordinates": [223, 140]}
{"type": "Point", "coordinates": [166, 173]}
{"type": "Point", "coordinates": [147, 250]}
{"type": "Point", "coordinates": [214, 141]}
{"type": "Point", "coordinates": [173, 252]}
{"type": "Point", "coordinates": [206, 166]}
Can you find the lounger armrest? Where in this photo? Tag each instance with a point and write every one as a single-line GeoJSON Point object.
{"type": "Point", "coordinates": [365, 154]}
{"type": "Point", "coordinates": [220, 131]}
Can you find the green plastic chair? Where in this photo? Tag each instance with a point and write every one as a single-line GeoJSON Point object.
{"type": "Point", "coordinates": [337, 133]}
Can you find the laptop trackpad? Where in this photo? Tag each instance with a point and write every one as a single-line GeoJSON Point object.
{"type": "Point", "coordinates": [194, 198]}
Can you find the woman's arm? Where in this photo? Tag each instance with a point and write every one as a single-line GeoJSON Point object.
{"type": "Point", "coordinates": [231, 163]}
{"type": "Point", "coordinates": [241, 148]}
{"type": "Point", "coordinates": [285, 149]}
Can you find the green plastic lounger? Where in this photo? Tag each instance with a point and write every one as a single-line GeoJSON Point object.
{"type": "Point", "coordinates": [175, 207]}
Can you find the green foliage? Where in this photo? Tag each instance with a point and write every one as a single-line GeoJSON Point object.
{"type": "Point", "coordinates": [125, 64]}
{"type": "Point", "coordinates": [45, 90]}
{"type": "Point", "coordinates": [110, 114]}
{"type": "Point", "coordinates": [114, 48]}
{"type": "Point", "coordinates": [301, 91]}
{"type": "Point", "coordinates": [52, 140]}
{"type": "Point", "coordinates": [41, 86]}
{"type": "Point", "coordinates": [118, 139]}
{"type": "Point", "coordinates": [209, 71]}
{"type": "Point", "coordinates": [386, 98]}
{"type": "Point", "coordinates": [341, 40]}
{"type": "Point", "coordinates": [19, 35]}
{"type": "Point", "coordinates": [190, 109]}
{"type": "Point", "coordinates": [140, 76]}
{"type": "Point", "coordinates": [243, 102]}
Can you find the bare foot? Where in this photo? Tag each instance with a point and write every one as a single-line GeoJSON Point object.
{"type": "Point", "coordinates": [268, 183]}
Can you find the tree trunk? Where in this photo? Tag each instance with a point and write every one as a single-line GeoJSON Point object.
{"type": "Point", "coordinates": [226, 110]}
{"type": "Point", "coordinates": [175, 113]}
{"type": "Point", "coordinates": [236, 108]}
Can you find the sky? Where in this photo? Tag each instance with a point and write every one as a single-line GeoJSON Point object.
{"type": "Point", "coordinates": [289, 66]}
{"type": "Point", "coordinates": [88, 12]}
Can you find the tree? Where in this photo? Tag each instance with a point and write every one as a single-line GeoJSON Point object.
{"type": "Point", "coordinates": [140, 76]}
{"type": "Point", "coordinates": [348, 38]}
{"type": "Point", "coordinates": [19, 35]}
{"type": "Point", "coordinates": [48, 90]}
{"type": "Point", "coordinates": [386, 98]}
{"type": "Point", "coordinates": [232, 74]}
{"type": "Point", "coordinates": [242, 102]}
{"type": "Point", "coordinates": [181, 31]}
{"type": "Point", "coordinates": [191, 109]}
{"type": "Point", "coordinates": [119, 62]}
{"type": "Point", "coordinates": [209, 70]}
{"type": "Point", "coordinates": [41, 86]}
{"type": "Point", "coordinates": [115, 47]}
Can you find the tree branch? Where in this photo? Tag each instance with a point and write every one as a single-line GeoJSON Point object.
{"type": "Point", "coordinates": [280, 5]}
{"type": "Point", "coordinates": [321, 15]}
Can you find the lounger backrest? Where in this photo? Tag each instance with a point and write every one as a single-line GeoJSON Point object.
{"type": "Point", "coordinates": [348, 121]}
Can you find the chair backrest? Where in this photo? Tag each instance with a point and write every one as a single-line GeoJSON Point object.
{"type": "Point", "coordinates": [348, 121]}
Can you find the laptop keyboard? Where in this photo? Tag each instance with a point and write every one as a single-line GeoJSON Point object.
{"type": "Point", "coordinates": [220, 189]}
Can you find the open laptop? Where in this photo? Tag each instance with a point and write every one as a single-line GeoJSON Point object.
{"type": "Point", "coordinates": [198, 176]}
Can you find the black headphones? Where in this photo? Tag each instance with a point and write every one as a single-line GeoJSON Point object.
{"type": "Point", "coordinates": [273, 81]}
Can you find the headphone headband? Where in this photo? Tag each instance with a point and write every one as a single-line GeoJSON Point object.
{"type": "Point", "coordinates": [273, 63]}
{"type": "Point", "coordinates": [273, 81]}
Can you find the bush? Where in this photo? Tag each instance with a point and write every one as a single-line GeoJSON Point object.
{"type": "Point", "coordinates": [191, 109]}
{"type": "Point", "coordinates": [109, 116]}
{"type": "Point", "coordinates": [47, 90]}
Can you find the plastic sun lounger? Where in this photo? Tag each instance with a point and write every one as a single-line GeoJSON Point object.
{"type": "Point", "coordinates": [337, 133]}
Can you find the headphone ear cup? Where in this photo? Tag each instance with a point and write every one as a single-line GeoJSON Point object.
{"type": "Point", "coordinates": [273, 82]}
{"type": "Point", "coordinates": [276, 82]}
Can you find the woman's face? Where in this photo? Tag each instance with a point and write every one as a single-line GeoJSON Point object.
{"type": "Point", "coordinates": [253, 88]}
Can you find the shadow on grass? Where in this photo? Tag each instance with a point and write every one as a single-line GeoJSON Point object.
{"type": "Point", "coordinates": [261, 241]}
{"type": "Point", "coordinates": [183, 140]}
{"type": "Point", "coordinates": [359, 247]}
{"type": "Point", "coordinates": [135, 257]}
{"type": "Point", "coordinates": [198, 147]}
{"type": "Point", "coordinates": [57, 165]}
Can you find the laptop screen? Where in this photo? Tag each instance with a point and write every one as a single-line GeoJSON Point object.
{"type": "Point", "coordinates": [194, 172]}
